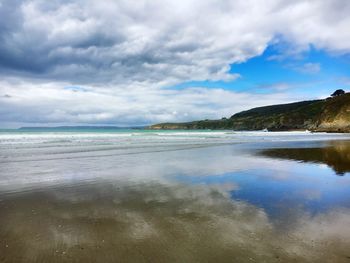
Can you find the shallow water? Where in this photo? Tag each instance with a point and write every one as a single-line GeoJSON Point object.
{"type": "Point", "coordinates": [133, 196]}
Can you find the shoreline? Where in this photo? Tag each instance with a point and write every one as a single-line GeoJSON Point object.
{"type": "Point", "coordinates": [273, 130]}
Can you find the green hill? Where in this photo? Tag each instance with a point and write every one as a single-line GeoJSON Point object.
{"type": "Point", "coordinates": [330, 115]}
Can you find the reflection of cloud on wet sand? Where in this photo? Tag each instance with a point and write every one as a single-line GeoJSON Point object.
{"type": "Point", "coordinates": [311, 194]}
{"type": "Point", "coordinates": [160, 223]}
{"type": "Point", "coordinates": [203, 162]}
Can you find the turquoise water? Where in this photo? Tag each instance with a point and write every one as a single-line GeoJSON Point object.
{"type": "Point", "coordinates": [70, 129]}
{"type": "Point", "coordinates": [89, 129]}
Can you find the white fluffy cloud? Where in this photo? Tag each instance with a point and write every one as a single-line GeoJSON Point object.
{"type": "Point", "coordinates": [139, 48]}
{"type": "Point", "coordinates": [59, 103]}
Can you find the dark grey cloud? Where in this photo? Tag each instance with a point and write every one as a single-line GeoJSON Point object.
{"type": "Point", "coordinates": [86, 41]}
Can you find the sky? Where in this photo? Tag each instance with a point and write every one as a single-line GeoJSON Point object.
{"type": "Point", "coordinates": [134, 63]}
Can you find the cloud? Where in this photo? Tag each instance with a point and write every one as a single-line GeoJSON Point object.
{"type": "Point", "coordinates": [307, 68]}
{"type": "Point", "coordinates": [139, 49]}
{"type": "Point", "coordinates": [120, 42]}
{"type": "Point", "coordinates": [157, 42]}
{"type": "Point", "coordinates": [276, 87]}
{"type": "Point", "coordinates": [56, 102]}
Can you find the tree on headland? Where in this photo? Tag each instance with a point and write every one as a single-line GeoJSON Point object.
{"type": "Point", "coordinates": [338, 92]}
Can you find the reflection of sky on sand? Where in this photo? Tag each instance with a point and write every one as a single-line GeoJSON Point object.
{"type": "Point", "coordinates": [135, 167]}
{"type": "Point", "coordinates": [285, 184]}
{"type": "Point", "coordinates": [174, 223]}
{"type": "Point", "coordinates": [201, 204]}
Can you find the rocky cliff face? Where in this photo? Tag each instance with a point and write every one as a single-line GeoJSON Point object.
{"type": "Point", "coordinates": [330, 115]}
{"type": "Point", "coordinates": [336, 115]}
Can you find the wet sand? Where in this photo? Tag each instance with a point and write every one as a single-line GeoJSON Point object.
{"type": "Point", "coordinates": [233, 203]}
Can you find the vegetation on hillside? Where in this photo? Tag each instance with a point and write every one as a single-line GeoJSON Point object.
{"type": "Point", "coordinates": [331, 114]}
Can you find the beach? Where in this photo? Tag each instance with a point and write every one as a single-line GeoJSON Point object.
{"type": "Point", "coordinates": [174, 196]}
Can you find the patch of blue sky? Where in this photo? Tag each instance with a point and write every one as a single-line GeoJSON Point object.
{"type": "Point", "coordinates": [76, 88]}
{"type": "Point", "coordinates": [312, 72]}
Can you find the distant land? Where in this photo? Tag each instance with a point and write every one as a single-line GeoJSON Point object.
{"type": "Point", "coordinates": [326, 115]}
